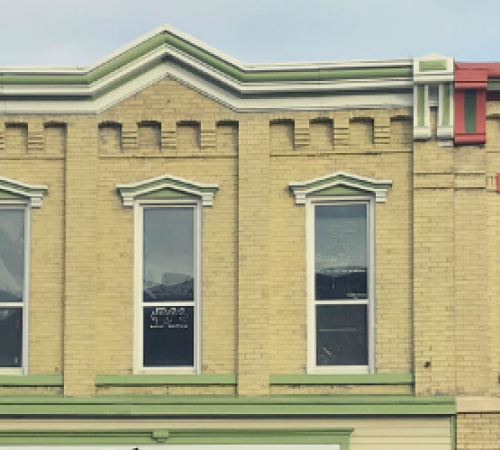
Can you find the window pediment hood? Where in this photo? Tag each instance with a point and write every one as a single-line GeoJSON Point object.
{"type": "Point", "coordinates": [166, 183]}
{"type": "Point", "coordinates": [354, 183]}
{"type": "Point", "coordinates": [15, 190]}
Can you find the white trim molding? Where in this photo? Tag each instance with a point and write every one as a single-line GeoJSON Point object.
{"type": "Point", "coordinates": [312, 302]}
{"type": "Point", "coordinates": [303, 190]}
{"type": "Point", "coordinates": [17, 190]}
{"type": "Point", "coordinates": [130, 192]}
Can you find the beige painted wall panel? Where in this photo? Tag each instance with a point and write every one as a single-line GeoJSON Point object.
{"type": "Point", "coordinates": [378, 433]}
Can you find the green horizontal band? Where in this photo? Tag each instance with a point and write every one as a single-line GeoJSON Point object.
{"type": "Point", "coordinates": [156, 380]}
{"type": "Point", "coordinates": [179, 436]}
{"type": "Point", "coordinates": [217, 406]}
{"type": "Point", "coordinates": [31, 380]}
{"type": "Point", "coordinates": [373, 378]}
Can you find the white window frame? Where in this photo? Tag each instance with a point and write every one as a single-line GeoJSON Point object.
{"type": "Point", "coordinates": [139, 206]}
{"type": "Point", "coordinates": [25, 206]}
{"type": "Point", "coordinates": [312, 367]}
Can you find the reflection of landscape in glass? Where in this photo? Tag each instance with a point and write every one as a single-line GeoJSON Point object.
{"type": "Point", "coordinates": [11, 255]}
{"type": "Point", "coordinates": [341, 251]}
{"type": "Point", "coordinates": [168, 254]}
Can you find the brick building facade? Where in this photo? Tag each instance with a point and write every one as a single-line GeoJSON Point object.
{"type": "Point", "coordinates": [197, 251]}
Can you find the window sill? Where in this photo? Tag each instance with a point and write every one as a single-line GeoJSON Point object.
{"type": "Point", "coordinates": [316, 379]}
{"type": "Point", "coordinates": [31, 380]}
{"type": "Point", "coordinates": [152, 380]}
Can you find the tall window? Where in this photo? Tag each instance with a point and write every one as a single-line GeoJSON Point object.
{"type": "Point", "coordinates": [169, 287]}
{"type": "Point", "coordinates": [14, 284]}
{"type": "Point", "coordinates": [340, 282]}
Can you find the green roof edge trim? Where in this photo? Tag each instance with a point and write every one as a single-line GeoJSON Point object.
{"type": "Point", "coordinates": [240, 74]}
{"type": "Point", "coordinates": [364, 379]}
{"type": "Point", "coordinates": [130, 192]}
{"type": "Point", "coordinates": [217, 406]}
{"type": "Point", "coordinates": [31, 380]}
{"type": "Point", "coordinates": [179, 436]}
{"type": "Point", "coordinates": [151, 380]}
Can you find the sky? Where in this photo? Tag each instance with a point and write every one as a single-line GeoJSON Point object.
{"type": "Point", "coordinates": [69, 32]}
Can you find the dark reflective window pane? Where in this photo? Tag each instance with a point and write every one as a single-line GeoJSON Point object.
{"type": "Point", "coordinates": [341, 255]}
{"type": "Point", "coordinates": [341, 335]}
{"type": "Point", "coordinates": [11, 255]}
{"type": "Point", "coordinates": [11, 337]}
{"type": "Point", "coordinates": [168, 254]}
{"type": "Point", "coordinates": [168, 336]}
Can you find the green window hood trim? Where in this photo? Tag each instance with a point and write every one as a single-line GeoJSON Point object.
{"type": "Point", "coordinates": [179, 436]}
{"type": "Point", "coordinates": [218, 406]}
{"type": "Point", "coordinates": [129, 193]}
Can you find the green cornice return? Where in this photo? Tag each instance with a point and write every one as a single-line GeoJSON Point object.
{"type": "Point", "coordinates": [157, 380]}
{"type": "Point", "coordinates": [373, 378]}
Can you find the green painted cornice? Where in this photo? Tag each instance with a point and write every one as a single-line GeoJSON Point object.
{"type": "Point", "coordinates": [158, 380]}
{"type": "Point", "coordinates": [318, 186]}
{"type": "Point", "coordinates": [169, 38]}
{"type": "Point", "coordinates": [15, 190]}
{"type": "Point", "coordinates": [31, 380]}
{"type": "Point", "coordinates": [366, 379]}
{"type": "Point", "coordinates": [217, 406]}
{"type": "Point", "coordinates": [178, 436]}
{"type": "Point", "coordinates": [130, 192]}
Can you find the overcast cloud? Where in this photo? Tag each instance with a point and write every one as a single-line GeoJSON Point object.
{"type": "Point", "coordinates": [69, 32]}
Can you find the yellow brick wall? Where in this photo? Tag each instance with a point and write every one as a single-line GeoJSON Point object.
{"type": "Point", "coordinates": [438, 268]}
{"type": "Point", "coordinates": [288, 259]}
{"type": "Point", "coordinates": [46, 294]}
{"type": "Point", "coordinates": [478, 431]}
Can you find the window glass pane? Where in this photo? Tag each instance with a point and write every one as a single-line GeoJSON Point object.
{"type": "Point", "coordinates": [341, 256]}
{"type": "Point", "coordinates": [11, 255]}
{"type": "Point", "coordinates": [11, 337]}
{"type": "Point", "coordinates": [341, 335]}
{"type": "Point", "coordinates": [168, 254]}
{"type": "Point", "coordinates": [168, 336]}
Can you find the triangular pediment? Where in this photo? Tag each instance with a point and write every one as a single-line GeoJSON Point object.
{"type": "Point", "coordinates": [340, 184]}
{"type": "Point", "coordinates": [166, 187]}
{"type": "Point", "coordinates": [16, 190]}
